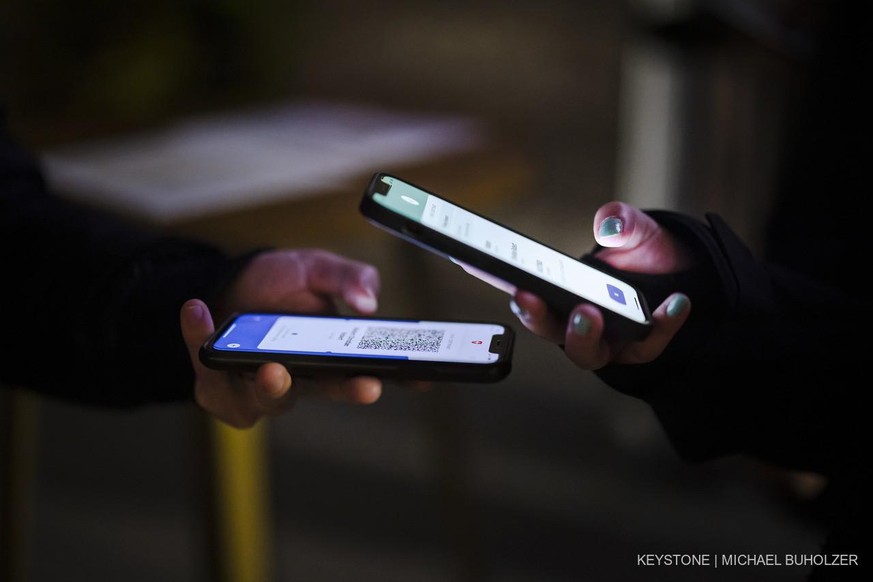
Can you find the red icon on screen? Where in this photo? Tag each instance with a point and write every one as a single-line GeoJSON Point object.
{"type": "Point", "coordinates": [477, 341]}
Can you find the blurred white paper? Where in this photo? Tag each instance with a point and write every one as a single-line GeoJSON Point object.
{"type": "Point", "coordinates": [216, 164]}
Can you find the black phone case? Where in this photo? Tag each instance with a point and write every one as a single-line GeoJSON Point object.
{"type": "Point", "coordinates": [559, 299]}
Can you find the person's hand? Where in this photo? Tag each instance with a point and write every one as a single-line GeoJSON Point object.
{"type": "Point", "coordinates": [282, 280]}
{"type": "Point", "coordinates": [633, 241]}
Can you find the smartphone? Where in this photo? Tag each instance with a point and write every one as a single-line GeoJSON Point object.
{"type": "Point", "coordinates": [468, 238]}
{"type": "Point", "coordinates": [311, 345]}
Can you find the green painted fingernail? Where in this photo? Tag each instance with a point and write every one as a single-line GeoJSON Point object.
{"type": "Point", "coordinates": [611, 226]}
{"type": "Point", "coordinates": [677, 306]}
{"type": "Point", "coordinates": [580, 324]}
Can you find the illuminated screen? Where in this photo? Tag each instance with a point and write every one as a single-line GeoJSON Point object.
{"type": "Point", "coordinates": [512, 248]}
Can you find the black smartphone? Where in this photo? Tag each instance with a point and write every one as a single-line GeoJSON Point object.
{"type": "Point", "coordinates": [468, 238]}
{"type": "Point", "coordinates": [311, 345]}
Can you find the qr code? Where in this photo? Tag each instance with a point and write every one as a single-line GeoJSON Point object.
{"type": "Point", "coordinates": [395, 338]}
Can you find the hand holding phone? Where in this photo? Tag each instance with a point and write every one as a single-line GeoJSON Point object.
{"type": "Point", "coordinates": [240, 400]}
{"type": "Point", "coordinates": [512, 259]}
{"type": "Point", "coordinates": [313, 345]}
{"type": "Point", "coordinates": [638, 242]}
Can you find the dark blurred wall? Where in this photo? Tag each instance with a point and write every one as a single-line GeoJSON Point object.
{"type": "Point", "coordinates": [93, 65]}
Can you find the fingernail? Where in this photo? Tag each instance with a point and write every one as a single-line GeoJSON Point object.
{"type": "Point", "coordinates": [276, 387]}
{"type": "Point", "coordinates": [678, 304]}
{"type": "Point", "coordinates": [518, 311]}
{"type": "Point", "coordinates": [580, 324]}
{"type": "Point", "coordinates": [366, 301]}
{"type": "Point", "coordinates": [611, 226]}
{"type": "Point", "coordinates": [196, 311]}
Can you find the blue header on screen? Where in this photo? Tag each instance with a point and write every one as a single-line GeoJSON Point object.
{"type": "Point", "coordinates": [248, 330]}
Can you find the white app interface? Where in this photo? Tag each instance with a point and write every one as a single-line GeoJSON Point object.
{"type": "Point", "coordinates": [529, 255]}
{"type": "Point", "coordinates": [375, 338]}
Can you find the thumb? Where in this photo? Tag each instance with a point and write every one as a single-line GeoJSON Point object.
{"type": "Point", "coordinates": [618, 224]}
{"type": "Point", "coordinates": [197, 325]}
{"type": "Point", "coordinates": [634, 241]}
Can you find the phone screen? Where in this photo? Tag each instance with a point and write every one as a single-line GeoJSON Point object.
{"type": "Point", "coordinates": [462, 342]}
{"type": "Point", "coordinates": [509, 246]}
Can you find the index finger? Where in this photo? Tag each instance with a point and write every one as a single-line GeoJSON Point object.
{"type": "Point", "coordinates": [331, 274]}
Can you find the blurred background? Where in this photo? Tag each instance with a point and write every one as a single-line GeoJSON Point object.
{"type": "Point", "coordinates": [533, 113]}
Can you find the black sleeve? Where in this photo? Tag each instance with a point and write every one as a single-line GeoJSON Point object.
{"type": "Point", "coordinates": [90, 302]}
{"type": "Point", "coordinates": [768, 363]}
